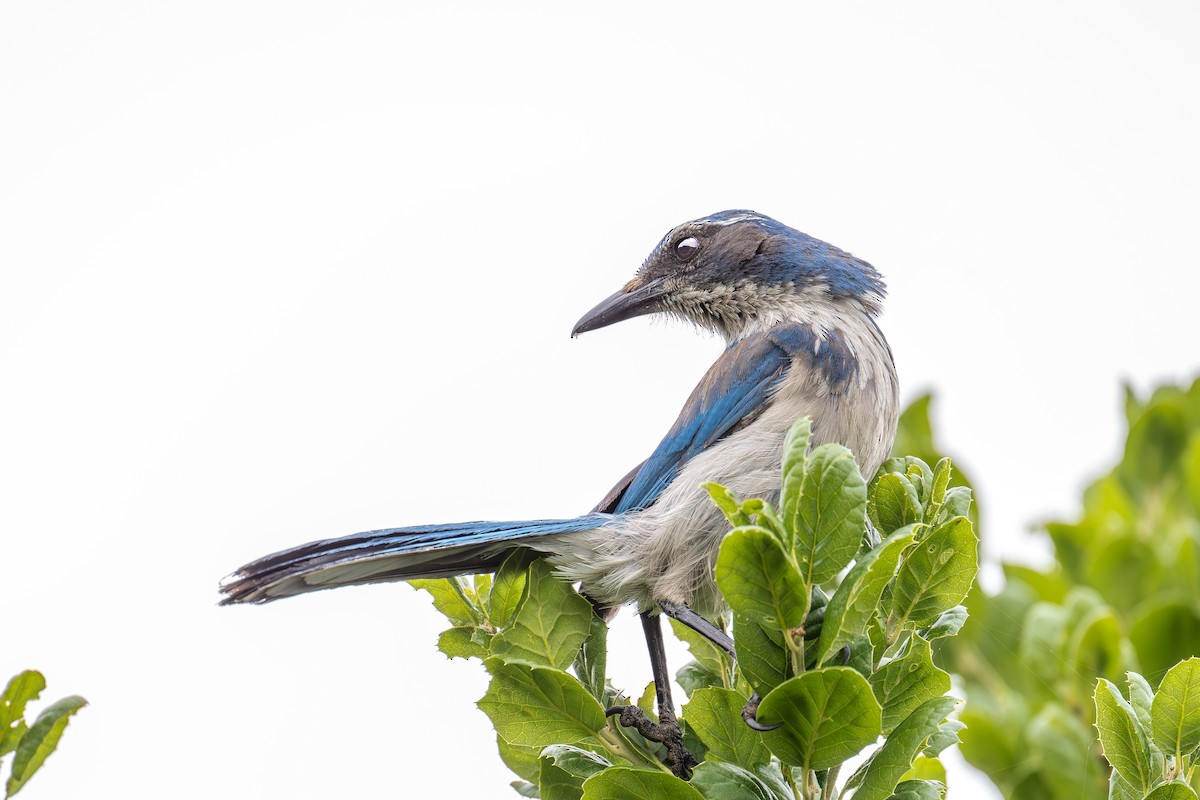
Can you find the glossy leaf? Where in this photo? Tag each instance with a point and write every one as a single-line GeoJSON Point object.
{"type": "Point", "coordinates": [1172, 791]}
{"type": "Point", "coordinates": [551, 623]}
{"type": "Point", "coordinates": [718, 780]}
{"type": "Point", "coordinates": [832, 513]}
{"type": "Point", "coordinates": [592, 662]}
{"type": "Point", "coordinates": [462, 643]}
{"type": "Point", "coordinates": [904, 684]}
{"type": "Point", "coordinates": [828, 716]}
{"type": "Point", "coordinates": [792, 467]}
{"type": "Point", "coordinates": [936, 574]}
{"type": "Point", "coordinates": [919, 790]}
{"type": "Point", "coordinates": [625, 783]}
{"type": "Point", "coordinates": [449, 597]}
{"type": "Point", "coordinates": [707, 654]}
{"type": "Point", "coordinates": [41, 740]}
{"type": "Point", "coordinates": [948, 623]}
{"type": "Point", "coordinates": [758, 580]}
{"type": "Point", "coordinates": [509, 586]}
{"type": "Point", "coordinates": [715, 716]}
{"type": "Point", "coordinates": [22, 688]}
{"type": "Point", "coordinates": [555, 783]}
{"type": "Point", "coordinates": [1176, 709]}
{"type": "Point", "coordinates": [893, 503]}
{"type": "Point", "coordinates": [762, 657]}
{"type": "Point", "coordinates": [575, 760]}
{"type": "Point", "coordinates": [856, 601]}
{"type": "Point", "coordinates": [1141, 698]}
{"type": "Point", "coordinates": [1125, 744]}
{"type": "Point", "coordinates": [539, 706]}
{"type": "Point", "coordinates": [894, 758]}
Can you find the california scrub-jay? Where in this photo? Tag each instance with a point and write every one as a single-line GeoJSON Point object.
{"type": "Point", "coordinates": [798, 316]}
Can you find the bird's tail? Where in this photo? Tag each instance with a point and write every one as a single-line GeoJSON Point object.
{"type": "Point", "coordinates": [394, 554]}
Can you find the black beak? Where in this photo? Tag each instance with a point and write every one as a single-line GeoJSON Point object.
{"type": "Point", "coordinates": [621, 306]}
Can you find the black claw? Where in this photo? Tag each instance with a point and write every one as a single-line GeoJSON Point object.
{"type": "Point", "coordinates": [666, 733]}
{"type": "Point", "coordinates": [750, 712]}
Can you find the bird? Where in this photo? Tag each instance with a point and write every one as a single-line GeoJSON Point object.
{"type": "Point", "coordinates": [799, 318]}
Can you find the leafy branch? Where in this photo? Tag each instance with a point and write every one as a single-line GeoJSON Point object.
{"type": "Point", "coordinates": [30, 744]}
{"type": "Point", "coordinates": [835, 598]}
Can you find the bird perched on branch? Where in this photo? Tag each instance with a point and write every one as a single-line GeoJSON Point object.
{"type": "Point", "coordinates": [799, 319]}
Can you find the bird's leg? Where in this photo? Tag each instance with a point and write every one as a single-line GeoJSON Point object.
{"type": "Point", "coordinates": [684, 614]}
{"type": "Point", "coordinates": [721, 639]}
{"type": "Point", "coordinates": [666, 731]}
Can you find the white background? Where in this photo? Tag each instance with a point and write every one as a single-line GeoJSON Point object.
{"type": "Point", "coordinates": [275, 271]}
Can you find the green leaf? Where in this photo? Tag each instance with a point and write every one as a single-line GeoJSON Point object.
{"type": "Point", "coordinates": [525, 788]}
{"type": "Point", "coordinates": [832, 513]}
{"type": "Point", "coordinates": [707, 654]}
{"type": "Point", "coordinates": [937, 494]}
{"type": "Point", "coordinates": [925, 768]}
{"type": "Point", "coordinates": [22, 688]}
{"type": "Point", "coordinates": [462, 643]}
{"type": "Point", "coordinates": [948, 623]}
{"type": "Point", "coordinates": [539, 706]}
{"type": "Point", "coordinates": [575, 760]}
{"type": "Point", "coordinates": [555, 783]}
{"type": "Point", "coordinates": [856, 600]}
{"type": "Point", "coordinates": [449, 598]}
{"type": "Point", "coordinates": [936, 574]}
{"type": "Point", "coordinates": [893, 503]}
{"type": "Point", "coordinates": [1121, 789]}
{"type": "Point", "coordinates": [946, 736]}
{"type": "Point", "coordinates": [888, 764]}
{"type": "Point", "coordinates": [758, 581]}
{"type": "Point", "coordinates": [1172, 791]}
{"type": "Point", "coordinates": [1141, 698]}
{"type": "Point", "coordinates": [958, 503]}
{"type": "Point", "coordinates": [728, 503]}
{"type": "Point", "coordinates": [646, 701]}
{"type": "Point", "coordinates": [904, 684]}
{"type": "Point", "coordinates": [509, 586]}
{"type": "Point", "coordinates": [41, 740]}
{"type": "Point", "coordinates": [625, 783]}
{"type": "Point", "coordinates": [1176, 709]}
{"type": "Point", "coordinates": [1125, 745]}
{"type": "Point", "coordinates": [795, 454]}
{"type": "Point", "coordinates": [592, 662]}
{"type": "Point", "coordinates": [919, 790]}
{"type": "Point", "coordinates": [717, 780]}
{"type": "Point", "coordinates": [715, 715]}
{"type": "Point", "coordinates": [694, 677]}
{"type": "Point", "coordinates": [523, 761]}
{"type": "Point", "coordinates": [762, 657]}
{"type": "Point", "coordinates": [551, 623]}
{"type": "Point", "coordinates": [828, 715]}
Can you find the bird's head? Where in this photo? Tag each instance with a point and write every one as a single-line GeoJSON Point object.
{"type": "Point", "coordinates": [737, 271]}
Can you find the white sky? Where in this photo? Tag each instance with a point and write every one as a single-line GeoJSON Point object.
{"type": "Point", "coordinates": [279, 271]}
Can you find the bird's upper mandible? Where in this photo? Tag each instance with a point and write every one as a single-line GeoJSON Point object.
{"type": "Point", "coordinates": [738, 271]}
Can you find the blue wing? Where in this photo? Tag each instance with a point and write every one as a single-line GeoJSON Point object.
{"type": "Point", "coordinates": [733, 392]}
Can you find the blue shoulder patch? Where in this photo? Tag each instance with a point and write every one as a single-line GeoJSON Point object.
{"type": "Point", "coordinates": [733, 393]}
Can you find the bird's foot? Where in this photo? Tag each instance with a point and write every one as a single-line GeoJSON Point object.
{"type": "Point", "coordinates": [750, 715]}
{"type": "Point", "coordinates": [667, 733]}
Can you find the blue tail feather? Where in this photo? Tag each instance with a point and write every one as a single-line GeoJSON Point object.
{"type": "Point", "coordinates": [393, 554]}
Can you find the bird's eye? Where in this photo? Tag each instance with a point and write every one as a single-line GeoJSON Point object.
{"type": "Point", "coordinates": [687, 248]}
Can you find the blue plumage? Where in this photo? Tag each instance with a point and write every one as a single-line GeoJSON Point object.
{"type": "Point", "coordinates": [798, 316]}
